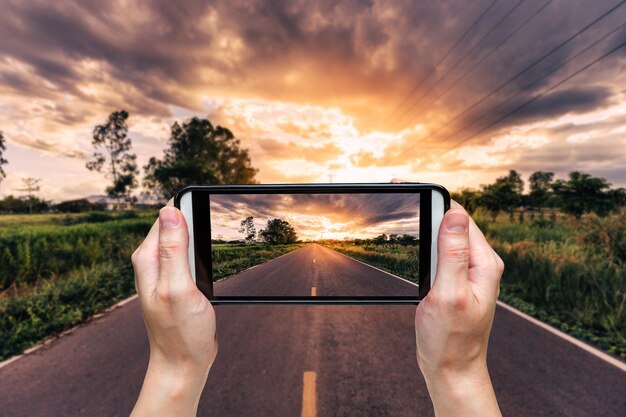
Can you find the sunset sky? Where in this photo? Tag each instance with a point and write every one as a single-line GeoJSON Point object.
{"type": "Point", "coordinates": [310, 87]}
{"type": "Point", "coordinates": [318, 216]}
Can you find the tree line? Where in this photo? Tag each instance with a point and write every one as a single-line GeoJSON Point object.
{"type": "Point", "coordinates": [277, 232]}
{"type": "Point", "coordinates": [576, 195]}
{"type": "Point", "coordinates": [197, 153]}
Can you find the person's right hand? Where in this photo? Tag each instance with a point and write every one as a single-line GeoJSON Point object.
{"type": "Point", "coordinates": [179, 319]}
{"type": "Point", "coordinates": [454, 320]}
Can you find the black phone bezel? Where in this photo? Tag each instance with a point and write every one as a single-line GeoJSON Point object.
{"type": "Point", "coordinates": [203, 259]}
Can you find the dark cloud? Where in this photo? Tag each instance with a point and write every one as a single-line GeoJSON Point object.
{"type": "Point", "coordinates": [335, 51]}
{"type": "Point", "coordinates": [360, 57]}
{"type": "Point", "coordinates": [358, 210]}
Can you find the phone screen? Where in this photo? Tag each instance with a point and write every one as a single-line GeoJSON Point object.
{"type": "Point", "coordinates": [329, 245]}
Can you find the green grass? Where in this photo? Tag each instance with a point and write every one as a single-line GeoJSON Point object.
{"type": "Point", "coordinates": [55, 305]}
{"type": "Point", "coordinates": [569, 273]}
{"type": "Point", "coordinates": [44, 251]}
{"type": "Point", "coordinates": [57, 270]}
{"type": "Point", "coordinates": [229, 259]}
{"type": "Point", "coordinates": [400, 260]}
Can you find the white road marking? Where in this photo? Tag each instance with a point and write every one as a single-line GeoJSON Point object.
{"type": "Point", "coordinates": [313, 291]}
{"type": "Point", "coordinates": [588, 348]}
{"type": "Point", "coordinates": [309, 407]}
{"type": "Point", "coordinates": [378, 269]}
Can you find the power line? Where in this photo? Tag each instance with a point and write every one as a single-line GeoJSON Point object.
{"type": "Point", "coordinates": [488, 54]}
{"type": "Point", "coordinates": [419, 84]}
{"type": "Point", "coordinates": [535, 98]}
{"type": "Point", "coordinates": [520, 73]}
{"type": "Point", "coordinates": [552, 71]}
{"type": "Point", "coordinates": [461, 59]}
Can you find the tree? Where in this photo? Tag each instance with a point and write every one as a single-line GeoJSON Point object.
{"type": "Point", "coordinates": [121, 164]}
{"type": "Point", "coordinates": [3, 161]}
{"type": "Point", "coordinates": [78, 206]}
{"type": "Point", "coordinates": [198, 153]}
{"type": "Point", "coordinates": [31, 185]}
{"type": "Point", "coordinates": [408, 240]}
{"type": "Point", "coordinates": [540, 189]}
{"type": "Point", "coordinates": [468, 198]}
{"type": "Point", "coordinates": [582, 193]}
{"type": "Point", "coordinates": [278, 232]}
{"type": "Point", "coordinates": [380, 239]}
{"type": "Point", "coordinates": [504, 194]}
{"type": "Point", "coordinates": [248, 229]}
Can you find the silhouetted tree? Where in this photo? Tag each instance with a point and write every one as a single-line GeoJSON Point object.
{"type": "Point", "coordinates": [380, 239]}
{"type": "Point", "coordinates": [247, 228]}
{"type": "Point", "coordinates": [468, 198]}
{"type": "Point", "coordinates": [408, 240]}
{"type": "Point", "coordinates": [278, 232]}
{"type": "Point", "coordinates": [198, 153]}
{"type": "Point", "coordinates": [583, 193]}
{"type": "Point", "coordinates": [3, 161]}
{"type": "Point", "coordinates": [121, 164]}
{"type": "Point", "coordinates": [505, 194]}
{"type": "Point", "coordinates": [540, 183]}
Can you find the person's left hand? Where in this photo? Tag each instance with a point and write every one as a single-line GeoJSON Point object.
{"type": "Point", "coordinates": [179, 319]}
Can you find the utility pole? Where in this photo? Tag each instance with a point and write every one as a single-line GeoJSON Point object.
{"type": "Point", "coordinates": [31, 185]}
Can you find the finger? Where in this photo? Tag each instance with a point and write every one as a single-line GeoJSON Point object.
{"type": "Point", "coordinates": [174, 272]}
{"type": "Point", "coordinates": [453, 254]}
{"type": "Point", "coordinates": [484, 263]}
{"type": "Point", "coordinates": [397, 181]}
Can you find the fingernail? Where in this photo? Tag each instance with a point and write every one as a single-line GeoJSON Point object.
{"type": "Point", "coordinates": [168, 218]}
{"type": "Point", "coordinates": [457, 222]}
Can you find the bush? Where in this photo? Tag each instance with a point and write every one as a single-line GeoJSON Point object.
{"type": "Point", "coordinates": [56, 305]}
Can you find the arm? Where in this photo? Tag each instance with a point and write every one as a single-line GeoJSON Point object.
{"type": "Point", "coordinates": [454, 321]}
{"type": "Point", "coordinates": [180, 321]}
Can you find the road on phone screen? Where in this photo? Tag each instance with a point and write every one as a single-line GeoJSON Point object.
{"type": "Point", "coordinates": [314, 266]}
{"type": "Point", "coordinates": [308, 360]}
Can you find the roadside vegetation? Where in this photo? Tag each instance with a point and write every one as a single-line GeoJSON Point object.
{"type": "Point", "coordinates": [58, 270]}
{"type": "Point", "coordinates": [230, 259]}
{"type": "Point", "coordinates": [388, 254]}
{"type": "Point", "coordinates": [568, 272]}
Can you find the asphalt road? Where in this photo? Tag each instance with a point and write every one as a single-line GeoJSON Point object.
{"type": "Point", "coordinates": [314, 266]}
{"type": "Point", "coordinates": [362, 357]}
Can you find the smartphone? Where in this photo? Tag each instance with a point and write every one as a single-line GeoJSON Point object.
{"type": "Point", "coordinates": [313, 243]}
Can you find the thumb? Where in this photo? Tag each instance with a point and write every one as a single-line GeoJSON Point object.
{"type": "Point", "coordinates": [453, 252]}
{"type": "Point", "coordinates": [173, 248]}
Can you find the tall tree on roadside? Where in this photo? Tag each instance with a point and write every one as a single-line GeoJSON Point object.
{"type": "Point", "coordinates": [540, 183]}
{"type": "Point", "coordinates": [199, 153]}
{"type": "Point", "coordinates": [121, 164]}
{"type": "Point", "coordinates": [583, 193]}
{"type": "Point", "coordinates": [505, 194]}
{"type": "Point", "coordinates": [3, 161]}
{"type": "Point", "coordinates": [248, 229]}
{"type": "Point", "coordinates": [278, 232]}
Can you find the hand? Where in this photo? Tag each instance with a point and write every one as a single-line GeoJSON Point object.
{"type": "Point", "coordinates": [179, 319]}
{"type": "Point", "coordinates": [454, 320]}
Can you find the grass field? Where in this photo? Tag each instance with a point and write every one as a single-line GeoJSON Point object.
{"type": "Point", "coordinates": [57, 270]}
{"type": "Point", "coordinates": [397, 259]}
{"type": "Point", "coordinates": [229, 259]}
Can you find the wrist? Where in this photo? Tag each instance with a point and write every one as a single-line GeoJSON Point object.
{"type": "Point", "coordinates": [468, 392]}
{"type": "Point", "coordinates": [170, 389]}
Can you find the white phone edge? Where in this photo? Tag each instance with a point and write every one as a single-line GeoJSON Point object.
{"type": "Point", "coordinates": [186, 207]}
{"type": "Point", "coordinates": [437, 213]}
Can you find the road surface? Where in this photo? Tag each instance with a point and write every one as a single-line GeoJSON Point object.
{"type": "Point", "coordinates": [351, 360]}
{"type": "Point", "coordinates": [314, 266]}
